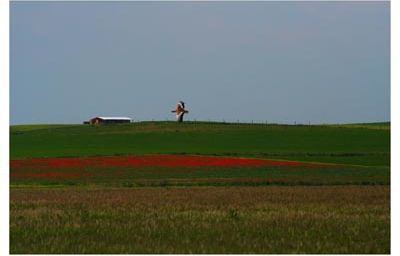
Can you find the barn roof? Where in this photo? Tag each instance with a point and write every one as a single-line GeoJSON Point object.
{"type": "Point", "coordinates": [113, 118]}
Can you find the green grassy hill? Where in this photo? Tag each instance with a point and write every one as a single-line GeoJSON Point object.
{"type": "Point", "coordinates": [357, 144]}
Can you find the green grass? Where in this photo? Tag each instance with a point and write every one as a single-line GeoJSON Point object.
{"type": "Point", "coordinates": [255, 176]}
{"type": "Point", "coordinates": [349, 219]}
{"type": "Point", "coordinates": [350, 145]}
{"type": "Point", "coordinates": [374, 126]}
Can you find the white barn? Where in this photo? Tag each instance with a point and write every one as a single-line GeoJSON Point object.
{"type": "Point", "coordinates": [110, 120]}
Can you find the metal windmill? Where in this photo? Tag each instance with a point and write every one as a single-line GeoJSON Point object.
{"type": "Point", "coordinates": [180, 111]}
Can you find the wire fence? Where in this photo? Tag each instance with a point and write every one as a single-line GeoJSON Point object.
{"type": "Point", "coordinates": [228, 122]}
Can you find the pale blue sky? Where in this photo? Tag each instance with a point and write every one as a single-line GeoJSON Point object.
{"type": "Point", "coordinates": [323, 62]}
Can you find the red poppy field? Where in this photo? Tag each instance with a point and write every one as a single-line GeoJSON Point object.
{"type": "Point", "coordinates": [185, 170]}
{"type": "Point", "coordinates": [155, 161]}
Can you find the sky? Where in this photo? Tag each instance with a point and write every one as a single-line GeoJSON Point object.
{"type": "Point", "coordinates": [281, 62]}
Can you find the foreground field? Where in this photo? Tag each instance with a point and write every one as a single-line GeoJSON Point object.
{"type": "Point", "coordinates": [161, 187]}
{"type": "Point", "coordinates": [336, 219]}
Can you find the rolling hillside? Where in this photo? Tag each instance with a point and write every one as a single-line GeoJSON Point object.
{"type": "Point", "coordinates": [358, 144]}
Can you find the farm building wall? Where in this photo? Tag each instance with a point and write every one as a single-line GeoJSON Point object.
{"type": "Point", "coordinates": [108, 121]}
